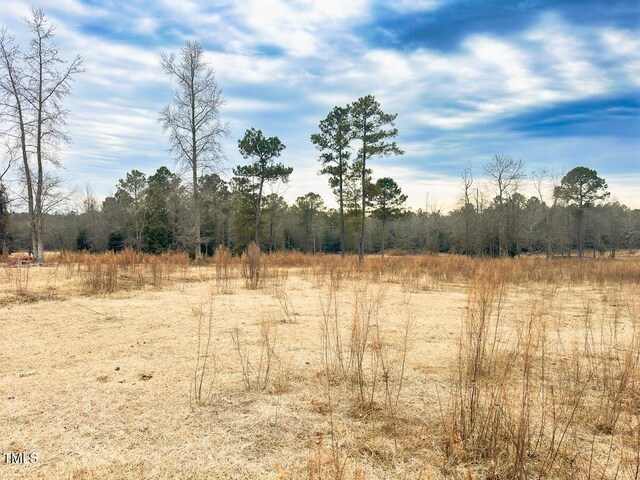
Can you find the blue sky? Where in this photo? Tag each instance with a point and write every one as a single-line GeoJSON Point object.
{"type": "Point", "coordinates": [556, 83]}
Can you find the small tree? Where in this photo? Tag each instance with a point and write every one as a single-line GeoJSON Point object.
{"type": "Point", "coordinates": [116, 241]}
{"type": "Point", "coordinates": [333, 141]}
{"type": "Point", "coordinates": [263, 151]}
{"type": "Point", "coordinates": [388, 200]}
{"type": "Point", "coordinates": [369, 122]}
{"type": "Point", "coordinates": [4, 213]}
{"type": "Point", "coordinates": [133, 188]}
{"type": "Point", "coordinates": [4, 220]}
{"type": "Point", "coordinates": [192, 121]}
{"type": "Point", "coordinates": [83, 244]}
{"type": "Point", "coordinates": [581, 188]}
{"type": "Point", "coordinates": [158, 231]}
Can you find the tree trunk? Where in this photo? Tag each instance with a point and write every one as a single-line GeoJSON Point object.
{"type": "Point", "coordinates": [270, 234]}
{"type": "Point", "coordinates": [466, 230]}
{"type": "Point", "coordinates": [196, 216]}
{"type": "Point", "coordinates": [548, 220]}
{"type": "Point", "coordinates": [580, 233]}
{"type": "Point", "coordinates": [342, 229]}
{"type": "Point", "coordinates": [39, 250]}
{"type": "Point", "coordinates": [194, 163]}
{"type": "Point", "coordinates": [258, 205]}
{"type": "Point", "coordinates": [383, 236]}
{"type": "Point", "coordinates": [364, 202]}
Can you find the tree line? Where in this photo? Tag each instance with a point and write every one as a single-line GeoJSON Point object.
{"type": "Point", "coordinates": [153, 213]}
{"type": "Point", "coordinates": [160, 211]}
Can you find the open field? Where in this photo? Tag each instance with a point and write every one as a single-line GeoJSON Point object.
{"type": "Point", "coordinates": [295, 366]}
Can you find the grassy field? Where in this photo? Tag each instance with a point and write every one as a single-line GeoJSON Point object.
{"type": "Point", "coordinates": [295, 366]}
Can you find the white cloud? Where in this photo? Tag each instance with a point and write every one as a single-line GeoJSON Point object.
{"type": "Point", "coordinates": [490, 77]}
{"type": "Point", "coordinates": [624, 47]}
{"type": "Point", "coordinates": [237, 105]}
{"type": "Point", "coordinates": [234, 68]}
{"type": "Point", "coordinates": [146, 25]}
{"type": "Point", "coordinates": [417, 5]}
{"type": "Point", "coordinates": [300, 28]}
{"type": "Point", "coordinates": [319, 62]}
{"type": "Point", "coordinates": [625, 189]}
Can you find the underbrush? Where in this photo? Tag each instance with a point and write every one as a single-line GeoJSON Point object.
{"type": "Point", "coordinates": [535, 389]}
{"type": "Point", "coordinates": [529, 400]}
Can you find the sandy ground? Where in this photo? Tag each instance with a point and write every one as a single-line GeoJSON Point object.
{"type": "Point", "coordinates": [99, 386]}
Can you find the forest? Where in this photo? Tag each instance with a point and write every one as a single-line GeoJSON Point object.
{"type": "Point", "coordinates": [152, 213]}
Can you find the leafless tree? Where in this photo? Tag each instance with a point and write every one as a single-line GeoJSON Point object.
{"type": "Point", "coordinates": [506, 172]}
{"type": "Point", "coordinates": [467, 179]}
{"type": "Point", "coordinates": [192, 121]}
{"type": "Point", "coordinates": [33, 86]}
{"type": "Point", "coordinates": [539, 178]}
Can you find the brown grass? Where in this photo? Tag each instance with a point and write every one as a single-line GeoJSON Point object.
{"type": "Point", "coordinates": [134, 366]}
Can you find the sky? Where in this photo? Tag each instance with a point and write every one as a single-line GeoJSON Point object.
{"type": "Point", "coordinates": [555, 83]}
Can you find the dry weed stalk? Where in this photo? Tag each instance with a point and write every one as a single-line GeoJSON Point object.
{"type": "Point", "coordinates": [257, 373]}
{"type": "Point", "coordinates": [287, 306]}
{"type": "Point", "coordinates": [333, 358]}
{"type": "Point", "coordinates": [522, 408]}
{"type": "Point", "coordinates": [371, 359]}
{"type": "Point", "coordinates": [365, 318]}
{"type": "Point", "coordinates": [205, 371]}
{"type": "Point", "coordinates": [22, 278]}
{"type": "Point", "coordinates": [101, 274]}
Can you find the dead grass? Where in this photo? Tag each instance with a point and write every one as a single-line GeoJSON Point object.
{"type": "Point", "coordinates": [407, 367]}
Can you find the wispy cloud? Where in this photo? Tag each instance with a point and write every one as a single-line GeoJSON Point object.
{"type": "Point", "coordinates": [549, 82]}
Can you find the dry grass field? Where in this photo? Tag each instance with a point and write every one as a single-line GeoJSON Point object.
{"type": "Point", "coordinates": [126, 366]}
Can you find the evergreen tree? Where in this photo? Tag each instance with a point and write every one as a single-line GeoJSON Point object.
{"type": "Point", "coordinates": [333, 141]}
{"type": "Point", "coordinates": [157, 230]}
{"type": "Point", "coordinates": [215, 209]}
{"type": "Point", "coordinates": [581, 188]}
{"type": "Point", "coordinates": [388, 202]}
{"type": "Point", "coordinates": [4, 220]}
{"type": "Point", "coordinates": [82, 241]}
{"type": "Point", "coordinates": [132, 190]}
{"type": "Point", "coordinates": [370, 128]}
{"type": "Point", "coordinates": [263, 151]}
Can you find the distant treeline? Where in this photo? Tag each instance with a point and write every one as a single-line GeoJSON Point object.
{"type": "Point", "coordinates": [154, 214]}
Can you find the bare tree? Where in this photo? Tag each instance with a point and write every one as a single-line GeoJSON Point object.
{"type": "Point", "coordinates": [33, 85]}
{"type": "Point", "coordinates": [467, 179]}
{"type": "Point", "coordinates": [539, 177]}
{"type": "Point", "coordinates": [506, 172]}
{"type": "Point", "coordinates": [192, 121]}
